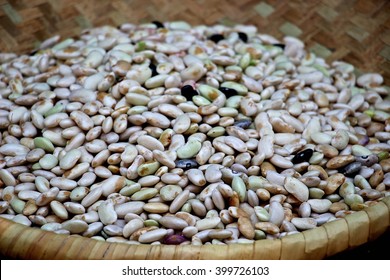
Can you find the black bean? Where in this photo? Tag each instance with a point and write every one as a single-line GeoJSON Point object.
{"type": "Point", "coordinates": [302, 156]}
{"type": "Point", "coordinates": [158, 24]}
{"type": "Point", "coordinates": [367, 160]}
{"type": "Point", "coordinates": [216, 38]}
{"type": "Point", "coordinates": [350, 170]}
{"type": "Point", "coordinates": [188, 92]}
{"type": "Point", "coordinates": [34, 52]}
{"type": "Point", "coordinates": [186, 163]}
{"type": "Point", "coordinates": [229, 92]}
{"type": "Point", "coordinates": [243, 36]}
{"type": "Point", "coordinates": [282, 46]}
{"type": "Point", "coordinates": [153, 68]}
{"type": "Point", "coordinates": [243, 123]}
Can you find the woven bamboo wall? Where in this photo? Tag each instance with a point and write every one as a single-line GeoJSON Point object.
{"type": "Point", "coordinates": [357, 31]}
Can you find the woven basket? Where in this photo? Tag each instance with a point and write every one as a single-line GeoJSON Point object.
{"type": "Point", "coordinates": [356, 31]}
{"type": "Point", "coordinates": [21, 242]}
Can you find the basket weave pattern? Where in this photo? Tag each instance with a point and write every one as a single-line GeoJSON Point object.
{"type": "Point", "coordinates": [19, 241]}
{"type": "Point", "coordinates": [356, 31]}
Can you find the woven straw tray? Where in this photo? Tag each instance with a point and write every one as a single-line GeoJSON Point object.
{"type": "Point", "coordinates": [356, 31]}
{"type": "Point", "coordinates": [19, 241]}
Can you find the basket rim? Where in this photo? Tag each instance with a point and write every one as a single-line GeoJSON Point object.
{"type": "Point", "coordinates": [24, 242]}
